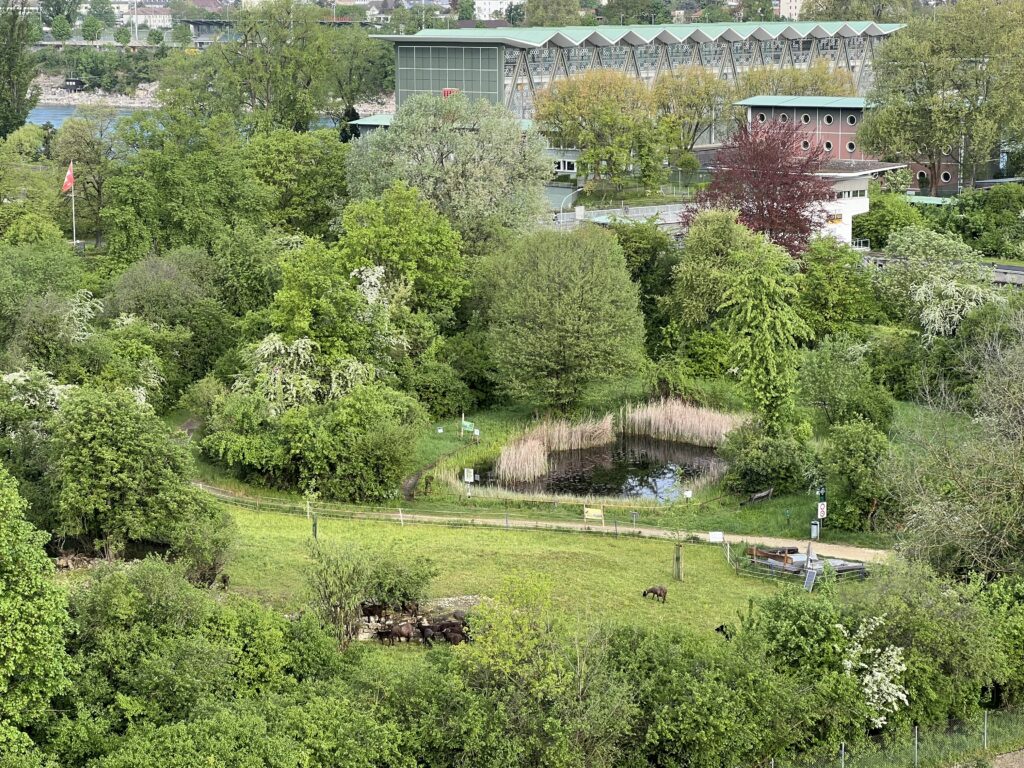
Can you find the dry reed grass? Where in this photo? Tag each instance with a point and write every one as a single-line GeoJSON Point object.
{"type": "Point", "coordinates": [526, 457]}
{"type": "Point", "coordinates": [672, 419]}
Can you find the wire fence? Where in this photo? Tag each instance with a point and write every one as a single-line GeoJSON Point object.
{"type": "Point", "coordinates": [968, 745]}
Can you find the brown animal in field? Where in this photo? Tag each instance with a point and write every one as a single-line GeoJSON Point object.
{"type": "Point", "coordinates": [427, 633]}
{"type": "Point", "coordinates": [453, 637]}
{"type": "Point", "coordinates": [658, 593]}
{"type": "Point", "coordinates": [372, 611]}
{"type": "Point", "coordinates": [400, 632]}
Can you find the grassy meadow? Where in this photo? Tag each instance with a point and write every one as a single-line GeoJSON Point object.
{"type": "Point", "coordinates": [591, 576]}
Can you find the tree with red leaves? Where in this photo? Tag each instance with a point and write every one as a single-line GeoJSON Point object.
{"type": "Point", "coordinates": [764, 173]}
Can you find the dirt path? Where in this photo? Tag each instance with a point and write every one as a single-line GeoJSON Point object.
{"type": "Point", "coordinates": [1009, 760]}
{"type": "Point", "coordinates": [842, 551]}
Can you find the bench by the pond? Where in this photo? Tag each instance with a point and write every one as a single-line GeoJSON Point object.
{"type": "Point", "coordinates": [593, 515]}
{"type": "Point", "coordinates": [759, 496]}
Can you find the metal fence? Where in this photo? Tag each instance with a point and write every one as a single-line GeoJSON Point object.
{"type": "Point", "coordinates": [968, 745]}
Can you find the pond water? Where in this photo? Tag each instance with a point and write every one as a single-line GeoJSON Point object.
{"type": "Point", "coordinates": [632, 467]}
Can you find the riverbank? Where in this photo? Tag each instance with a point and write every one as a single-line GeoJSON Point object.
{"type": "Point", "coordinates": [53, 94]}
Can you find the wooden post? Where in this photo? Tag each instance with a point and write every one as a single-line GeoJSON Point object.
{"type": "Point", "coordinates": [677, 563]}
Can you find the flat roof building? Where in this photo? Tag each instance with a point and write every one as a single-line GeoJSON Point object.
{"type": "Point", "coordinates": [508, 66]}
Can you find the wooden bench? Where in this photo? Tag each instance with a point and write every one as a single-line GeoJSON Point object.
{"type": "Point", "coordinates": [759, 496]}
{"type": "Point", "coordinates": [593, 515]}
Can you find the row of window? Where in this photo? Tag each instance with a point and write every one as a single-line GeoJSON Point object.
{"type": "Point", "coordinates": [946, 176]}
{"type": "Point", "coordinates": [806, 118]}
{"type": "Point", "coordinates": [565, 166]}
{"type": "Point", "coordinates": [845, 194]}
{"type": "Point", "coordinates": [850, 146]}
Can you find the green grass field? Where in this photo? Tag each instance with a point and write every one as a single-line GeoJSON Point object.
{"type": "Point", "coordinates": [591, 576]}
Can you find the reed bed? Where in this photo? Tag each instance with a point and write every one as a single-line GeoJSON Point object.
{"type": "Point", "coordinates": [673, 419]}
{"type": "Point", "coordinates": [563, 435]}
{"type": "Point", "coordinates": [522, 460]}
{"type": "Point", "coordinates": [526, 458]}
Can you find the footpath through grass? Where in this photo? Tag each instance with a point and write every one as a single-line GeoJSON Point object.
{"type": "Point", "coordinates": [592, 576]}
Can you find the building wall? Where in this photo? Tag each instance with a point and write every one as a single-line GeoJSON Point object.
{"type": "Point", "coordinates": [485, 9]}
{"type": "Point", "coordinates": [851, 198]}
{"type": "Point", "coordinates": [472, 70]}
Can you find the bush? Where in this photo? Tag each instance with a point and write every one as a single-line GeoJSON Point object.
{"type": "Point", "coordinates": [852, 462]}
{"type": "Point", "coordinates": [758, 461]}
{"type": "Point", "coordinates": [836, 379]}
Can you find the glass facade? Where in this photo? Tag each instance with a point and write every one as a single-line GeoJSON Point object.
{"type": "Point", "coordinates": [475, 71]}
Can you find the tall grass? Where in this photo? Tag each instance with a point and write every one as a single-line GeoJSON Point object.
{"type": "Point", "coordinates": [522, 460]}
{"type": "Point", "coordinates": [671, 419]}
{"type": "Point", "coordinates": [526, 458]}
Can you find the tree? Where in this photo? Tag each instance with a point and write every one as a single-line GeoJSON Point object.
{"type": "Point", "coordinates": [650, 256]}
{"type": "Point", "coordinates": [691, 102]}
{"type": "Point", "coordinates": [852, 461]}
{"type": "Point", "coordinates": [933, 281]}
{"type": "Point", "coordinates": [837, 379]}
{"type": "Point", "coordinates": [515, 14]}
{"type": "Point", "coordinates": [123, 35]}
{"type": "Point", "coordinates": [817, 79]}
{"type": "Point", "coordinates": [416, 246]}
{"type": "Point", "coordinates": [836, 293]}
{"type": "Point", "coordinates": [611, 118]}
{"type": "Point", "coordinates": [274, 73]}
{"type": "Point", "coordinates": [118, 473]}
{"type": "Point", "coordinates": [60, 30]}
{"type": "Point", "coordinates": [471, 159]}
{"type": "Point", "coordinates": [306, 173]}
{"type": "Point", "coordinates": [17, 66]}
{"type": "Point", "coordinates": [764, 174]}
{"type": "Point", "coordinates": [949, 89]}
{"type": "Point", "coordinates": [363, 67]}
{"type": "Point", "coordinates": [466, 10]}
{"type": "Point", "coordinates": [92, 29]}
{"type": "Point", "coordinates": [889, 212]}
{"type": "Point", "coordinates": [54, 8]}
{"type": "Point", "coordinates": [104, 11]}
{"type": "Point", "coordinates": [181, 34]}
{"type": "Point", "coordinates": [881, 11]}
{"type": "Point", "coordinates": [563, 316]}
{"type": "Point", "coordinates": [551, 13]}
{"type": "Point", "coordinates": [33, 663]}
{"type": "Point", "coordinates": [636, 12]}
{"type": "Point", "coordinates": [87, 139]}
{"type": "Point", "coordinates": [155, 37]}
{"type": "Point", "coordinates": [764, 325]}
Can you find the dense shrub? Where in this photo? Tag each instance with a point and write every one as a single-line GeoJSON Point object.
{"type": "Point", "coordinates": [853, 462]}
{"type": "Point", "coordinates": [758, 461]}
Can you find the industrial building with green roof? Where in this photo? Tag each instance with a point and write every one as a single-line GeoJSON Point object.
{"type": "Point", "coordinates": [509, 65]}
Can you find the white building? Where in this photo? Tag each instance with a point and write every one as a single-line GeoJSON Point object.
{"type": "Point", "coordinates": [490, 9]}
{"type": "Point", "coordinates": [153, 17]}
{"type": "Point", "coordinates": [790, 9]}
{"type": "Point", "coordinates": [850, 187]}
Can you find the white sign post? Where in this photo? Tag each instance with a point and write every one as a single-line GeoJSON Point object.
{"type": "Point", "coordinates": [467, 477]}
{"type": "Point", "coordinates": [822, 510]}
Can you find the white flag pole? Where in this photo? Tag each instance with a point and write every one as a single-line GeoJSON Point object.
{"type": "Point", "coordinates": [74, 226]}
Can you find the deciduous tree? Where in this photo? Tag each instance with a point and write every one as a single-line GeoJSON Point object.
{"type": "Point", "coordinates": [691, 101]}
{"type": "Point", "coordinates": [948, 89]}
{"type": "Point", "coordinates": [17, 66]}
{"type": "Point", "coordinates": [611, 118]}
{"type": "Point", "coordinates": [471, 159]}
{"type": "Point", "coordinates": [564, 315]}
{"type": "Point", "coordinates": [551, 13]}
{"type": "Point", "coordinates": [763, 173]}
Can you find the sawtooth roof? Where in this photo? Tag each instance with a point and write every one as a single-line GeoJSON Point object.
{"type": "Point", "coordinates": [804, 102]}
{"type": "Point", "coordinates": [571, 37]}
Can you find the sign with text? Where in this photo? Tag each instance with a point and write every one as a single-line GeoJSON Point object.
{"type": "Point", "coordinates": [467, 474]}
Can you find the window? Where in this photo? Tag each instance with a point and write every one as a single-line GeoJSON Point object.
{"type": "Point", "coordinates": [828, 146]}
{"type": "Point", "coordinates": [828, 119]}
{"type": "Point", "coordinates": [945, 176]}
{"type": "Point", "coordinates": [783, 118]}
{"type": "Point", "coordinates": [805, 118]}
{"type": "Point", "coordinates": [761, 117]}
{"type": "Point", "coordinates": [851, 119]}
{"type": "Point", "coordinates": [922, 176]}
{"type": "Point", "coordinates": [565, 166]}
{"type": "Point", "coordinates": [805, 144]}
{"type": "Point", "coordinates": [850, 146]}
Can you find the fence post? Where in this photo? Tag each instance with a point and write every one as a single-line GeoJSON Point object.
{"type": "Point", "coordinates": [677, 563]}
{"type": "Point", "coordinates": [314, 525]}
{"type": "Point", "coordinates": [984, 737]}
{"type": "Point", "coordinates": [616, 522]}
{"type": "Point", "coordinates": [842, 755]}
{"type": "Point", "coordinates": [915, 747]}
{"type": "Point", "coordinates": [401, 520]}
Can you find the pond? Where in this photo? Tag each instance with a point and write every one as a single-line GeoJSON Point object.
{"type": "Point", "coordinates": [631, 467]}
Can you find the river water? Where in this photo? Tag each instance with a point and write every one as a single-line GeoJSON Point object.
{"type": "Point", "coordinates": [55, 114]}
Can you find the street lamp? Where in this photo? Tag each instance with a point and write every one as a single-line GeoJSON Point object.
{"type": "Point", "coordinates": [562, 205]}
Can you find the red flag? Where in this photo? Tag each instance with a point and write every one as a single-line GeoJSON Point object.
{"type": "Point", "coordinates": [69, 178]}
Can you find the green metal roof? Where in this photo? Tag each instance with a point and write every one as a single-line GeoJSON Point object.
{"type": "Point", "coordinates": [375, 121]}
{"type": "Point", "coordinates": [571, 37]}
{"type": "Point", "coordinates": [804, 102]}
{"type": "Point", "coordinates": [929, 200]}
{"type": "Point", "coordinates": [384, 121]}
